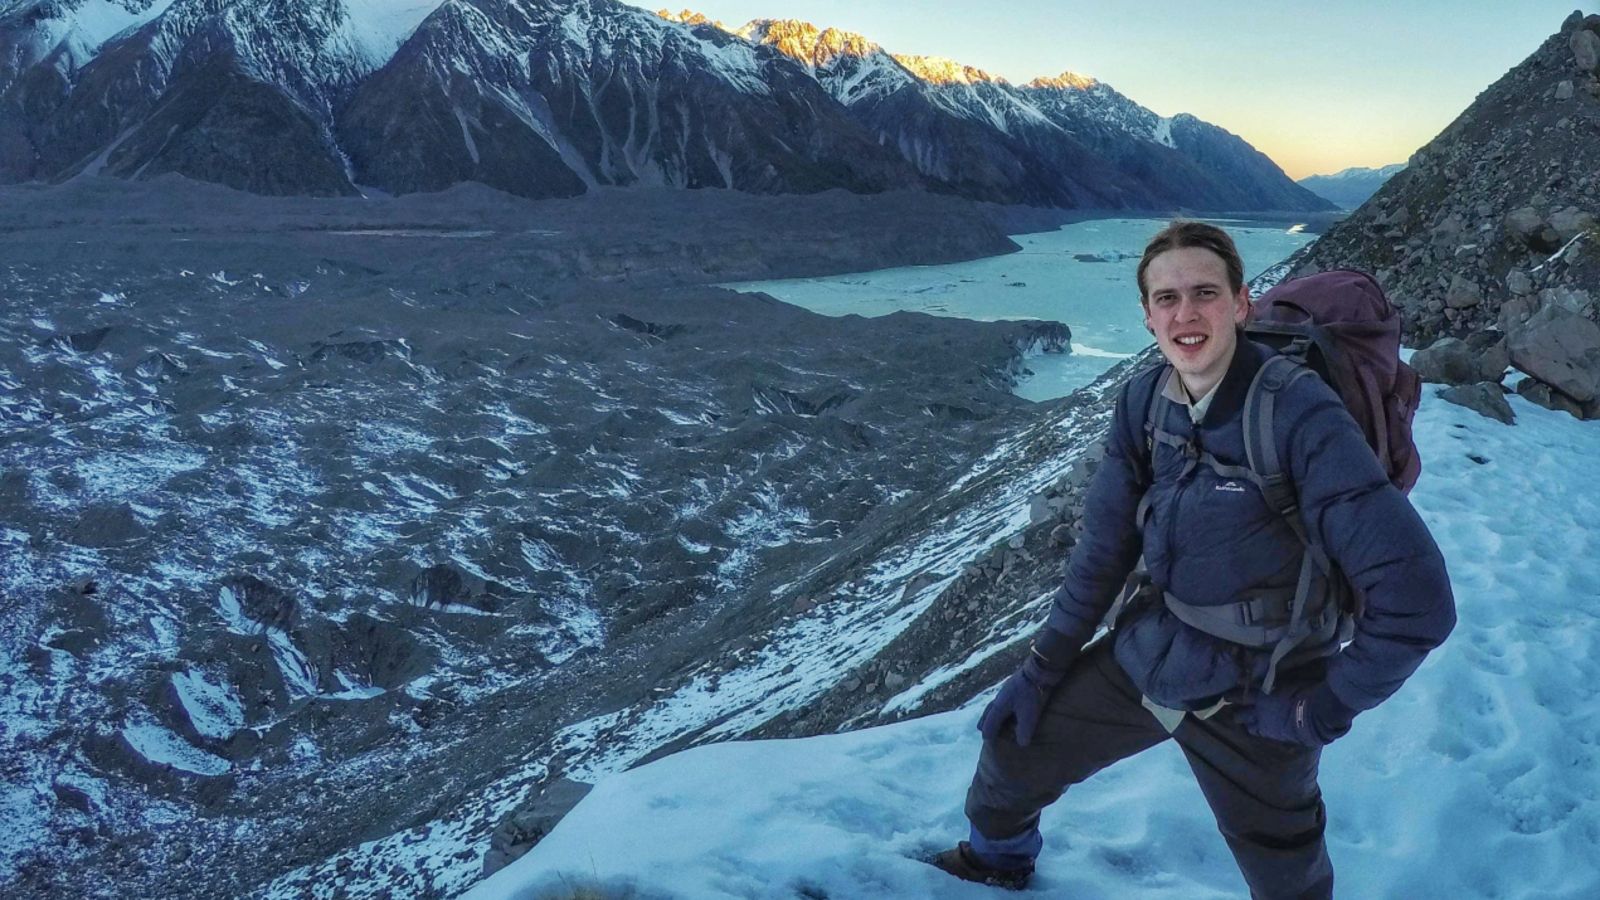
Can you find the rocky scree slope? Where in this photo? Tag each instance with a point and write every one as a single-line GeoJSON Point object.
{"type": "Point", "coordinates": [1489, 234]}
{"type": "Point", "coordinates": [314, 517]}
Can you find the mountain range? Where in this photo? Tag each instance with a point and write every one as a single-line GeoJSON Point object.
{"type": "Point", "coordinates": [553, 98]}
{"type": "Point", "coordinates": [1349, 188]}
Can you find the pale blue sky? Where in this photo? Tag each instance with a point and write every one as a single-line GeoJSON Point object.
{"type": "Point", "coordinates": [1316, 86]}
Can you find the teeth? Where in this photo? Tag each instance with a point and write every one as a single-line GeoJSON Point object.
{"type": "Point", "coordinates": [1191, 340]}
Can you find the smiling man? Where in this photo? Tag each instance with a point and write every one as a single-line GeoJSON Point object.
{"type": "Point", "coordinates": [1200, 651]}
{"type": "Point", "coordinates": [1194, 302]}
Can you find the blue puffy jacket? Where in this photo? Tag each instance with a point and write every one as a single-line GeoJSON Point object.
{"type": "Point", "coordinates": [1208, 540]}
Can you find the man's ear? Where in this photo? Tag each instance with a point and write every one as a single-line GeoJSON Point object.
{"type": "Point", "coordinates": [1148, 325]}
{"type": "Point", "coordinates": [1241, 309]}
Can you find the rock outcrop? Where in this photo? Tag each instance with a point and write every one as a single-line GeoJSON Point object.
{"type": "Point", "coordinates": [1495, 218]}
{"type": "Point", "coordinates": [1488, 238]}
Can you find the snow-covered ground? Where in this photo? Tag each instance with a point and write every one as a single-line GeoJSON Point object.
{"type": "Point", "coordinates": [1481, 778]}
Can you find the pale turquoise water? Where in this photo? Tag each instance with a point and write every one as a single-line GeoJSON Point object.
{"type": "Point", "coordinates": [1099, 301]}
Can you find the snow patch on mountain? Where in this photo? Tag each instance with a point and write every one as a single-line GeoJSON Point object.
{"type": "Point", "coordinates": [81, 30]}
{"type": "Point", "coordinates": [377, 28]}
{"type": "Point", "coordinates": [159, 745]}
{"type": "Point", "coordinates": [1162, 134]}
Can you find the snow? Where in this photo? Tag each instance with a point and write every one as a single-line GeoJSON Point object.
{"type": "Point", "coordinates": [91, 25]}
{"type": "Point", "coordinates": [737, 64]}
{"type": "Point", "coordinates": [1494, 745]}
{"type": "Point", "coordinates": [1162, 134]}
{"type": "Point", "coordinates": [377, 28]}
{"type": "Point", "coordinates": [161, 746]}
{"type": "Point", "coordinates": [214, 709]}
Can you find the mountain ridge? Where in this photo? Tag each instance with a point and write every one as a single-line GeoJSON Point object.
{"type": "Point", "coordinates": [551, 98]}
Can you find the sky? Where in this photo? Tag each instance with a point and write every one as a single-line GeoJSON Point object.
{"type": "Point", "coordinates": [1317, 86]}
{"type": "Point", "coordinates": [1480, 778]}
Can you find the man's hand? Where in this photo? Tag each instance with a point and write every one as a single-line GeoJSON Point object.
{"type": "Point", "coordinates": [1309, 715]}
{"type": "Point", "coordinates": [1023, 695]}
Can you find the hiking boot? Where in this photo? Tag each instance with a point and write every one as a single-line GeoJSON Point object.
{"type": "Point", "coordinates": [964, 864]}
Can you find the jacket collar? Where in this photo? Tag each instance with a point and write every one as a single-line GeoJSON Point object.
{"type": "Point", "coordinates": [1230, 391]}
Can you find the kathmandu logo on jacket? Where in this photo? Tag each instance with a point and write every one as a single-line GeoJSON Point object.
{"type": "Point", "coordinates": [1232, 487]}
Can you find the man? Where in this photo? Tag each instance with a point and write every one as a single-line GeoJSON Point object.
{"type": "Point", "coordinates": [1211, 541]}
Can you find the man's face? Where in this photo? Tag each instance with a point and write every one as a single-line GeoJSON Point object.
{"type": "Point", "coordinates": [1193, 313]}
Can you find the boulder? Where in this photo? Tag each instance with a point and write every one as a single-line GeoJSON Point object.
{"type": "Point", "coordinates": [1562, 349]}
{"type": "Point", "coordinates": [1447, 361]}
{"type": "Point", "coordinates": [1485, 398]}
{"type": "Point", "coordinates": [1463, 293]}
{"type": "Point", "coordinates": [1526, 226]}
{"type": "Point", "coordinates": [1576, 300]}
{"type": "Point", "coordinates": [106, 525]}
{"type": "Point", "coordinates": [1493, 356]}
{"type": "Point", "coordinates": [1518, 283]}
{"type": "Point", "coordinates": [1516, 311]}
{"type": "Point", "coordinates": [527, 825]}
{"type": "Point", "coordinates": [1548, 397]}
{"type": "Point", "coordinates": [1571, 222]}
{"type": "Point", "coordinates": [1564, 91]}
{"type": "Point", "coordinates": [1585, 50]}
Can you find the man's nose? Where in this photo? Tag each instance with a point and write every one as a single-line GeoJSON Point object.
{"type": "Point", "coordinates": [1188, 310]}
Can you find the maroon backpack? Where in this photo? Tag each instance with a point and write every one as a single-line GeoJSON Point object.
{"type": "Point", "coordinates": [1341, 325]}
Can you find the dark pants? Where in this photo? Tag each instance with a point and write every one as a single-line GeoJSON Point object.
{"type": "Point", "coordinates": [1263, 792]}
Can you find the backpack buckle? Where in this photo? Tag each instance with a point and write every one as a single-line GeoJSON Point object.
{"type": "Point", "coordinates": [1280, 493]}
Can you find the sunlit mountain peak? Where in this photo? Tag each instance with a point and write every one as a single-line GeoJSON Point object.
{"type": "Point", "coordinates": [805, 42]}
{"type": "Point", "coordinates": [1065, 81]}
{"type": "Point", "coordinates": [689, 17]}
{"type": "Point", "coordinates": [938, 70]}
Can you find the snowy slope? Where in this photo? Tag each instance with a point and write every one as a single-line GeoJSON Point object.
{"type": "Point", "coordinates": [1494, 746]}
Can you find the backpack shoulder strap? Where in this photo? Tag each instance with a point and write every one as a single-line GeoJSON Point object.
{"type": "Point", "coordinates": [1156, 416]}
{"type": "Point", "coordinates": [1260, 436]}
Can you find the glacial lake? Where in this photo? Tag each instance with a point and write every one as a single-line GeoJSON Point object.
{"type": "Point", "coordinates": [1081, 275]}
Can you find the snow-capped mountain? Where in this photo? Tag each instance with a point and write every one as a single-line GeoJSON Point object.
{"type": "Point", "coordinates": [1350, 187]}
{"type": "Point", "coordinates": [549, 98]}
{"type": "Point", "coordinates": [1065, 141]}
{"type": "Point", "coordinates": [536, 97]}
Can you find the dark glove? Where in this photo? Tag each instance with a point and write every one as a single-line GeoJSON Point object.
{"type": "Point", "coordinates": [1309, 715]}
{"type": "Point", "coordinates": [1023, 695]}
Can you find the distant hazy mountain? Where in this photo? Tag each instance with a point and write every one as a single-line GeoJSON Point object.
{"type": "Point", "coordinates": [548, 98]}
{"type": "Point", "coordinates": [1351, 187]}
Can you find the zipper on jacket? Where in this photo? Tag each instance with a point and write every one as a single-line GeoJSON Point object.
{"type": "Point", "coordinates": [1191, 463]}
